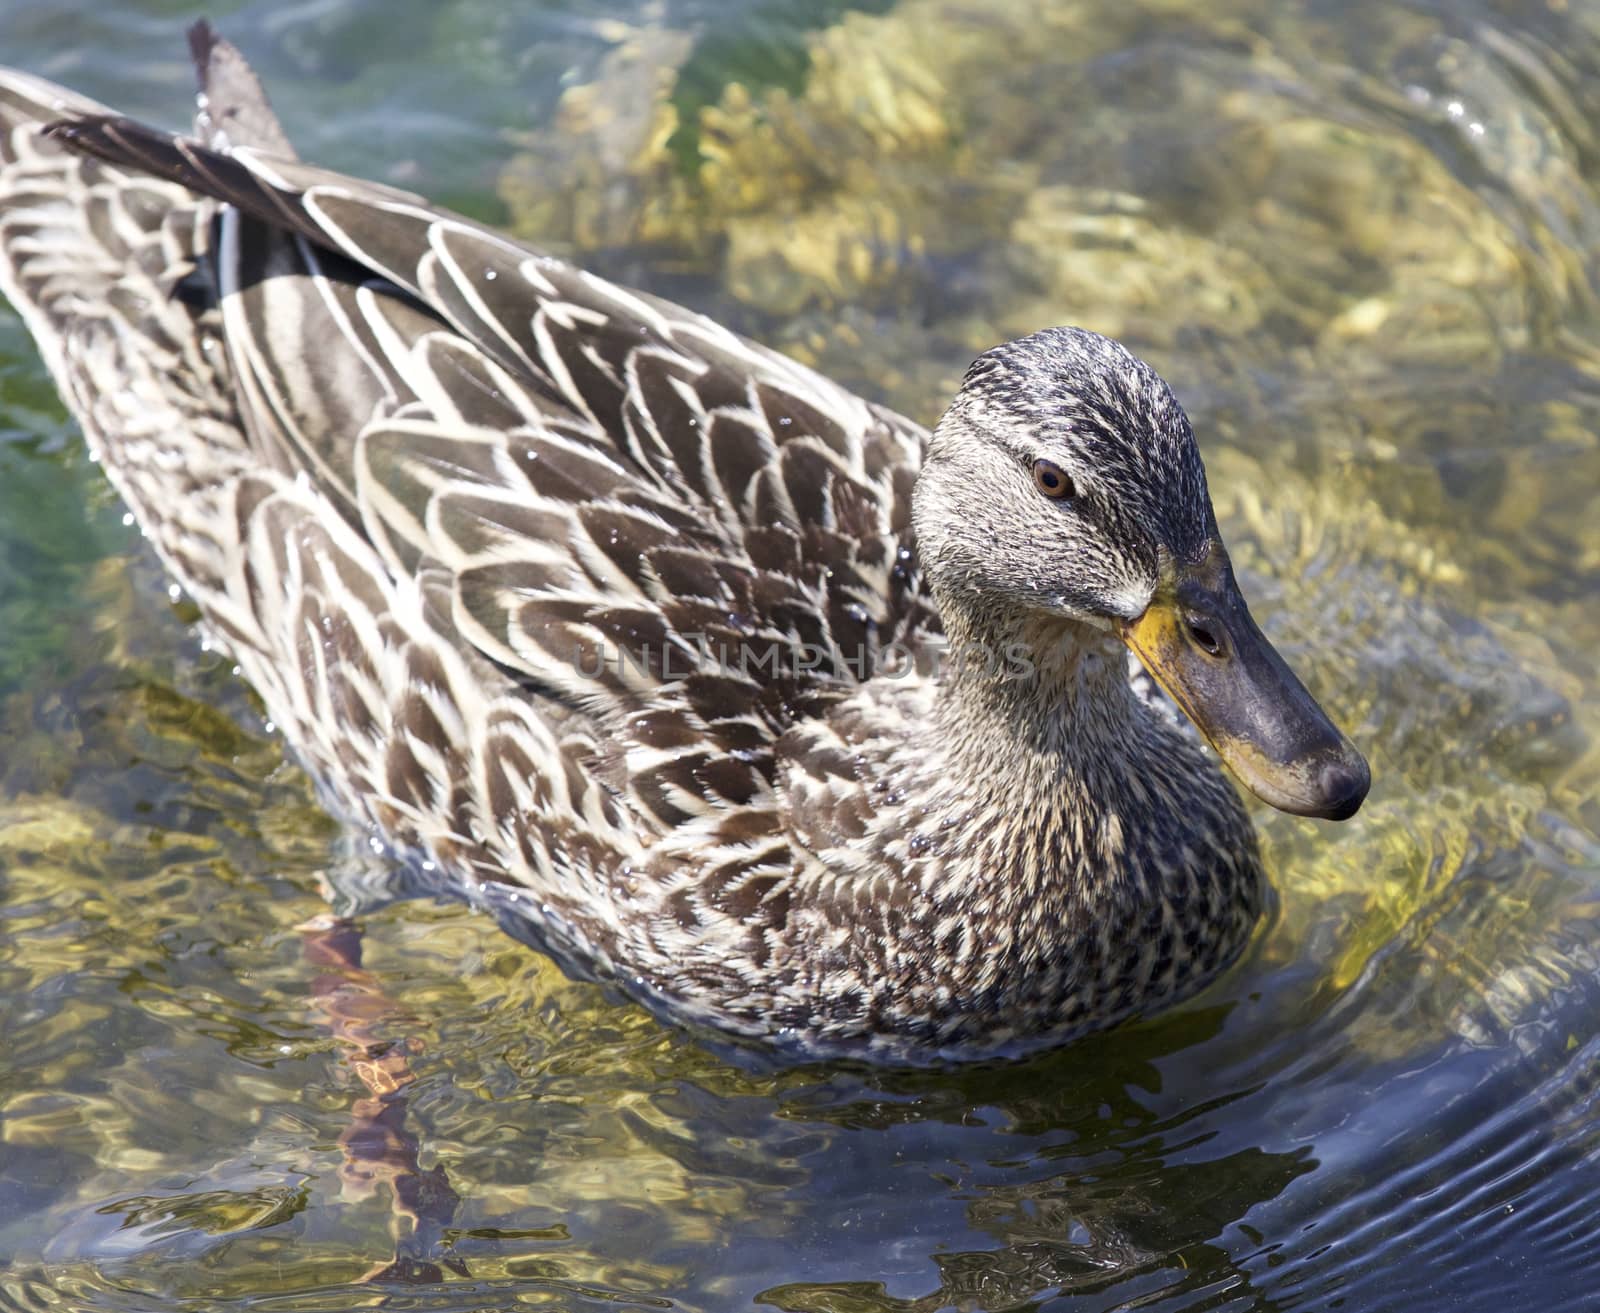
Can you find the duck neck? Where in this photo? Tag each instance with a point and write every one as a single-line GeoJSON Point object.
{"type": "Point", "coordinates": [1044, 690]}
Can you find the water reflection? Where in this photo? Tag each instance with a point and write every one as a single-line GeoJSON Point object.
{"type": "Point", "coordinates": [1359, 239]}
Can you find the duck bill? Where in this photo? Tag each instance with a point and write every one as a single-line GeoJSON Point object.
{"type": "Point", "coordinates": [1199, 642]}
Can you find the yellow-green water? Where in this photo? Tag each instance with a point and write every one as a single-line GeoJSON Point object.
{"type": "Point", "coordinates": [1362, 241]}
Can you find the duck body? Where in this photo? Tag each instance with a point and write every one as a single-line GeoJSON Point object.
{"type": "Point", "coordinates": [655, 636]}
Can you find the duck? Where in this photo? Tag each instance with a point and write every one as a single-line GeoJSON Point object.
{"type": "Point", "coordinates": [795, 721]}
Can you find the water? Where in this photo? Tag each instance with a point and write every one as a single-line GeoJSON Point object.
{"type": "Point", "coordinates": [1360, 240]}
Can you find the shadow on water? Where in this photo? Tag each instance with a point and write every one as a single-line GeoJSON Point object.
{"type": "Point", "coordinates": [1358, 238]}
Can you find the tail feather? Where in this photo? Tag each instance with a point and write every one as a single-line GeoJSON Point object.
{"type": "Point", "coordinates": [234, 110]}
{"type": "Point", "coordinates": [197, 168]}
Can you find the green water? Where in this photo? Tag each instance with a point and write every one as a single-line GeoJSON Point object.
{"type": "Point", "coordinates": [1360, 239]}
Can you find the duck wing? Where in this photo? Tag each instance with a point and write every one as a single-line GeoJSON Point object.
{"type": "Point", "coordinates": [691, 540]}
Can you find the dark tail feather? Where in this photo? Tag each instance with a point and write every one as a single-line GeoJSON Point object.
{"type": "Point", "coordinates": [234, 110]}
{"type": "Point", "coordinates": [206, 172]}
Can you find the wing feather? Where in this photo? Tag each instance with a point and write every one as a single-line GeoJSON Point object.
{"type": "Point", "coordinates": [622, 501]}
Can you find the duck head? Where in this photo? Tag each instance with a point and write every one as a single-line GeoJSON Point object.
{"type": "Point", "coordinates": [1065, 482]}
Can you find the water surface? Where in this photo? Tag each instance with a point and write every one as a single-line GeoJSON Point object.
{"type": "Point", "coordinates": [1361, 241]}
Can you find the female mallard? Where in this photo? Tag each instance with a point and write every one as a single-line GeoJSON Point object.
{"type": "Point", "coordinates": [794, 718]}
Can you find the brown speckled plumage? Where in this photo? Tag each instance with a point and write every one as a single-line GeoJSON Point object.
{"type": "Point", "coordinates": [481, 528]}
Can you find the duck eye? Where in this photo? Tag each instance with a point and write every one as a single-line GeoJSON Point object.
{"type": "Point", "coordinates": [1051, 480]}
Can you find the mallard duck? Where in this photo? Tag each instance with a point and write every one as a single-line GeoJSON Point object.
{"type": "Point", "coordinates": [791, 717]}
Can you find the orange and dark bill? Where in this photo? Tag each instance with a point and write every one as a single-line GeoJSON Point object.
{"type": "Point", "coordinates": [1199, 642]}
